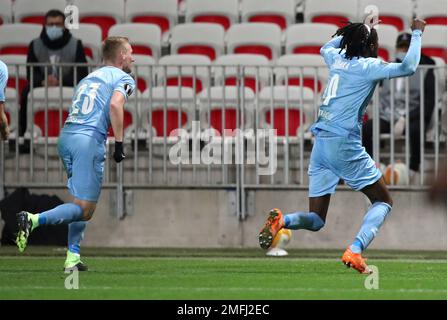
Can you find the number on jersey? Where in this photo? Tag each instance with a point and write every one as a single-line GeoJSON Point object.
{"type": "Point", "coordinates": [89, 99]}
{"type": "Point", "coordinates": [331, 90]}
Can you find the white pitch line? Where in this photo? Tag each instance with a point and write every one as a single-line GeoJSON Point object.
{"type": "Point", "coordinates": [220, 290]}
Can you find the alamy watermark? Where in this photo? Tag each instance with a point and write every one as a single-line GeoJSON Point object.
{"type": "Point", "coordinates": [71, 17]}
{"type": "Point", "coordinates": [372, 280]}
{"type": "Point", "coordinates": [249, 147]}
{"type": "Point", "coordinates": [72, 280]}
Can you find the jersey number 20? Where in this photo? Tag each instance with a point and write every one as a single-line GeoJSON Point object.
{"type": "Point", "coordinates": [331, 90]}
{"type": "Point", "coordinates": [89, 98]}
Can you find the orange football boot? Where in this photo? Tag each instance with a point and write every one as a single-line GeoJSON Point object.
{"type": "Point", "coordinates": [356, 261]}
{"type": "Point", "coordinates": [273, 224]}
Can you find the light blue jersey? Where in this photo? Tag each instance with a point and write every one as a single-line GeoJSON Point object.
{"type": "Point", "coordinates": [338, 151]}
{"type": "Point", "coordinates": [81, 144]}
{"type": "Point", "coordinates": [352, 82]}
{"type": "Point", "coordinates": [3, 80]}
{"type": "Point", "coordinates": [91, 101]}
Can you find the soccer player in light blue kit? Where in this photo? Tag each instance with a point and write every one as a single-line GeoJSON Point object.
{"type": "Point", "coordinates": [338, 151]}
{"type": "Point", "coordinates": [4, 129]}
{"type": "Point", "coordinates": [98, 102]}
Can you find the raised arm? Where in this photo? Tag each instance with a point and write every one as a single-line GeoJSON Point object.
{"type": "Point", "coordinates": [330, 48]}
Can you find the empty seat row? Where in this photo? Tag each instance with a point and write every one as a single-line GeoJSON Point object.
{"type": "Point", "coordinates": [211, 40]}
{"type": "Point", "coordinates": [164, 13]}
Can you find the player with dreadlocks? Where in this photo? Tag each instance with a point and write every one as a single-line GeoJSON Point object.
{"type": "Point", "coordinates": [338, 152]}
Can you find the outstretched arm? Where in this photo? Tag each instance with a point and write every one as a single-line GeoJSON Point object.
{"type": "Point", "coordinates": [380, 71]}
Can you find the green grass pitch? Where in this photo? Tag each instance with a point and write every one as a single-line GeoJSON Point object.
{"type": "Point", "coordinates": [219, 274]}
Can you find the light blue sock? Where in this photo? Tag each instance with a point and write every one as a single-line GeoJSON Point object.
{"type": "Point", "coordinates": [303, 220]}
{"type": "Point", "coordinates": [75, 236]}
{"type": "Point", "coordinates": [372, 222]}
{"type": "Point", "coordinates": [63, 214]}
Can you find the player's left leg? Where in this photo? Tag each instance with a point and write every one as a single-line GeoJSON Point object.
{"type": "Point", "coordinates": [361, 174]}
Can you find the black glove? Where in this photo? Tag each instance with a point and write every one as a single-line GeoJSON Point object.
{"type": "Point", "coordinates": [119, 155]}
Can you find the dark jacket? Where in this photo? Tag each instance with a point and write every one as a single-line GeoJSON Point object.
{"type": "Point", "coordinates": [68, 48]}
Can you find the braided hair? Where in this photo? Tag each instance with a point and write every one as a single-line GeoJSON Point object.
{"type": "Point", "coordinates": [358, 40]}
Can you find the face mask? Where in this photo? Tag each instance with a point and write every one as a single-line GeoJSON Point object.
{"type": "Point", "coordinates": [54, 32]}
{"type": "Point", "coordinates": [400, 56]}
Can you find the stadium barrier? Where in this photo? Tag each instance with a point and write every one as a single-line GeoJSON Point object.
{"type": "Point", "coordinates": [174, 133]}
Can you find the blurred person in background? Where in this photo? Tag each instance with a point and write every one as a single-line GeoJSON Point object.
{"type": "Point", "coordinates": [54, 45]}
{"type": "Point", "coordinates": [402, 45]}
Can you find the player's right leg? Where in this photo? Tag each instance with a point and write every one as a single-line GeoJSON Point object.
{"type": "Point", "coordinates": [322, 183]}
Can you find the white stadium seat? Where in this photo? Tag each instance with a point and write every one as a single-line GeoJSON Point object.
{"type": "Point", "coordinates": [308, 37]}
{"type": "Point", "coordinates": [298, 100]}
{"type": "Point", "coordinates": [397, 13]}
{"type": "Point", "coordinates": [144, 72]}
{"type": "Point", "coordinates": [221, 12]}
{"type": "Point", "coordinates": [15, 38]}
{"type": "Point", "coordinates": [144, 38]}
{"type": "Point", "coordinates": [90, 35]}
{"type": "Point", "coordinates": [280, 12]}
{"type": "Point", "coordinates": [434, 41]}
{"type": "Point", "coordinates": [312, 67]}
{"type": "Point", "coordinates": [432, 11]}
{"type": "Point", "coordinates": [12, 110]}
{"type": "Point", "coordinates": [334, 12]}
{"type": "Point", "coordinates": [198, 38]}
{"type": "Point", "coordinates": [255, 38]}
{"type": "Point", "coordinates": [31, 11]}
{"type": "Point", "coordinates": [57, 112]}
{"type": "Point", "coordinates": [387, 41]}
{"type": "Point", "coordinates": [178, 104]}
{"type": "Point", "coordinates": [183, 69]}
{"type": "Point", "coordinates": [5, 11]}
{"type": "Point", "coordinates": [104, 13]}
{"type": "Point", "coordinates": [16, 70]}
{"type": "Point", "coordinates": [160, 12]}
{"type": "Point", "coordinates": [255, 65]}
{"type": "Point", "coordinates": [212, 108]}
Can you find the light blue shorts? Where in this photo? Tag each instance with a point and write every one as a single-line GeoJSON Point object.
{"type": "Point", "coordinates": [83, 157]}
{"type": "Point", "coordinates": [334, 157]}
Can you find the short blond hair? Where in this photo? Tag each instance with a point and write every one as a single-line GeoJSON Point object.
{"type": "Point", "coordinates": [111, 46]}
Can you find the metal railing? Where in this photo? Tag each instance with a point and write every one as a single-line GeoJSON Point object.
{"type": "Point", "coordinates": [172, 100]}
